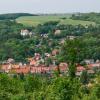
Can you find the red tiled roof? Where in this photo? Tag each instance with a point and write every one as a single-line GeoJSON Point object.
{"type": "Point", "coordinates": [80, 68]}
{"type": "Point", "coordinates": [33, 62]}
{"type": "Point", "coordinates": [93, 65]}
{"type": "Point", "coordinates": [24, 70]}
{"type": "Point", "coordinates": [63, 66]}
{"type": "Point", "coordinates": [55, 52]}
{"type": "Point", "coordinates": [5, 67]}
{"type": "Point", "coordinates": [15, 66]}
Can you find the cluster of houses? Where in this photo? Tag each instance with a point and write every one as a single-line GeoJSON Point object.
{"type": "Point", "coordinates": [26, 32]}
{"type": "Point", "coordinates": [34, 66]}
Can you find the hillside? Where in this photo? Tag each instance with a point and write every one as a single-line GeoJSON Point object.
{"type": "Point", "coordinates": [64, 19]}
{"type": "Point", "coordinates": [13, 15]}
{"type": "Point", "coordinates": [95, 17]}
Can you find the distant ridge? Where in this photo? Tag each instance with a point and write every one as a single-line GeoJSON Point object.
{"type": "Point", "coordinates": [13, 16]}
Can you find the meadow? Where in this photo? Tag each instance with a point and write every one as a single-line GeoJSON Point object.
{"type": "Point", "coordinates": [63, 19]}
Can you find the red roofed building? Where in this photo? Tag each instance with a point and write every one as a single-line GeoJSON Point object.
{"type": "Point", "coordinates": [24, 70]}
{"type": "Point", "coordinates": [40, 69]}
{"type": "Point", "coordinates": [63, 67]}
{"type": "Point", "coordinates": [5, 68]}
{"type": "Point", "coordinates": [32, 62]}
{"type": "Point", "coordinates": [55, 52]}
{"type": "Point", "coordinates": [95, 65]}
{"type": "Point", "coordinates": [80, 68]}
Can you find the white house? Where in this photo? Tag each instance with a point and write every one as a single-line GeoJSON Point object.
{"type": "Point", "coordinates": [26, 32]}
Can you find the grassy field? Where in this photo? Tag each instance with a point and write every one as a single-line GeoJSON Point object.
{"type": "Point", "coordinates": [35, 20]}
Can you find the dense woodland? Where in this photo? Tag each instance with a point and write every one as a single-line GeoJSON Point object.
{"type": "Point", "coordinates": [13, 16]}
{"type": "Point", "coordinates": [95, 17]}
{"type": "Point", "coordinates": [86, 45]}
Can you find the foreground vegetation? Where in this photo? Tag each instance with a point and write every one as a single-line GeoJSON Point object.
{"type": "Point", "coordinates": [37, 87]}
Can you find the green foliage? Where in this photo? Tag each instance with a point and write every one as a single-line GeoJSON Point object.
{"type": "Point", "coordinates": [13, 15]}
{"type": "Point", "coordinates": [62, 89]}
{"type": "Point", "coordinates": [84, 78]}
{"type": "Point", "coordinates": [32, 83]}
{"type": "Point", "coordinates": [96, 91]}
{"type": "Point", "coordinates": [46, 27]}
{"type": "Point", "coordinates": [95, 17]}
{"type": "Point", "coordinates": [72, 51]}
{"type": "Point", "coordinates": [48, 61]}
{"type": "Point", "coordinates": [36, 87]}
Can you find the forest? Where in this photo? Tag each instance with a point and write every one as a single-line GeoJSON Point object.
{"type": "Point", "coordinates": [12, 16]}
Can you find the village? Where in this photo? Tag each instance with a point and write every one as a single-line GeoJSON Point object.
{"type": "Point", "coordinates": [50, 50]}
{"type": "Point", "coordinates": [36, 66]}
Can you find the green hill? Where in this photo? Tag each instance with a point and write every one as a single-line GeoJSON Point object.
{"type": "Point", "coordinates": [12, 16]}
{"type": "Point", "coordinates": [64, 19]}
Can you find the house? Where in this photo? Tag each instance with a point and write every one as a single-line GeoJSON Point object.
{"type": "Point", "coordinates": [57, 32]}
{"type": "Point", "coordinates": [26, 32]}
{"type": "Point", "coordinates": [93, 66]}
{"type": "Point", "coordinates": [40, 69]}
{"type": "Point", "coordinates": [24, 70]}
{"type": "Point", "coordinates": [79, 70]}
{"type": "Point", "coordinates": [47, 54]}
{"type": "Point", "coordinates": [44, 35]}
{"type": "Point", "coordinates": [36, 60]}
{"type": "Point", "coordinates": [37, 56]}
{"type": "Point", "coordinates": [89, 61]}
{"type": "Point", "coordinates": [6, 67]}
{"type": "Point", "coordinates": [90, 71]}
{"type": "Point", "coordinates": [62, 41]}
{"type": "Point", "coordinates": [10, 60]}
{"type": "Point", "coordinates": [63, 67]}
{"type": "Point", "coordinates": [71, 37]}
{"type": "Point", "coordinates": [55, 52]}
{"type": "Point", "coordinates": [32, 62]}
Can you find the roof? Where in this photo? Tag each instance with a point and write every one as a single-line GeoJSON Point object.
{"type": "Point", "coordinates": [80, 68]}
{"type": "Point", "coordinates": [55, 52]}
{"type": "Point", "coordinates": [24, 70]}
{"type": "Point", "coordinates": [32, 62]}
{"type": "Point", "coordinates": [4, 67]}
{"type": "Point", "coordinates": [63, 66]}
{"type": "Point", "coordinates": [90, 66]}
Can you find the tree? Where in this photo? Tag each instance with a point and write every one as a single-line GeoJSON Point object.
{"type": "Point", "coordinates": [84, 78]}
{"type": "Point", "coordinates": [72, 52]}
{"type": "Point", "coordinates": [62, 89]}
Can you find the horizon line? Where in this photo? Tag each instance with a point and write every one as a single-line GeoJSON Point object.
{"type": "Point", "coordinates": [51, 13]}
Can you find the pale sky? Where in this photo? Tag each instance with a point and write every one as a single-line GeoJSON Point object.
{"type": "Point", "coordinates": [49, 6]}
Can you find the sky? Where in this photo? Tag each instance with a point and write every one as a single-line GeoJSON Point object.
{"type": "Point", "coordinates": [49, 6]}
